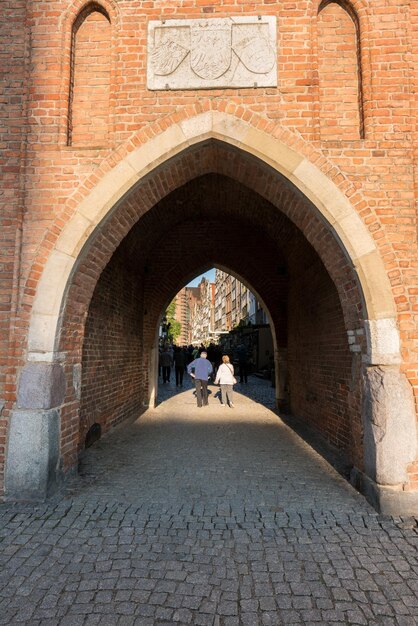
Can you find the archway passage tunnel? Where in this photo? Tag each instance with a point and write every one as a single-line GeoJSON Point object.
{"type": "Point", "coordinates": [226, 210]}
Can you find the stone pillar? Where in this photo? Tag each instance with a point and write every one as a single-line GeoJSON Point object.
{"type": "Point", "coordinates": [390, 440]}
{"type": "Point", "coordinates": [33, 451]}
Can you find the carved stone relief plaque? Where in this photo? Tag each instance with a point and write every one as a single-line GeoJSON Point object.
{"type": "Point", "coordinates": [212, 53]}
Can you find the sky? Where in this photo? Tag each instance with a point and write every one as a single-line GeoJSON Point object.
{"type": "Point", "coordinates": [210, 275]}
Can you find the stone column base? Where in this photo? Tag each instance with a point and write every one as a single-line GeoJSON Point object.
{"type": "Point", "coordinates": [388, 500]}
{"type": "Point", "coordinates": [32, 466]}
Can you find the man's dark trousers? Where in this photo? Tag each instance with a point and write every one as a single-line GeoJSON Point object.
{"type": "Point", "coordinates": [243, 372]}
{"type": "Point", "coordinates": [179, 375]}
{"type": "Point", "coordinates": [201, 391]}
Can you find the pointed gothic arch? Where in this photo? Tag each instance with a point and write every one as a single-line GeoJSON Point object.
{"type": "Point", "coordinates": [140, 171]}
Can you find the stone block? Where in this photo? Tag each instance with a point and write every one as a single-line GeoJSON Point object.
{"type": "Point", "coordinates": [386, 500]}
{"type": "Point", "coordinates": [41, 386]}
{"type": "Point", "coordinates": [157, 150]}
{"type": "Point", "coordinates": [74, 235]}
{"type": "Point", "coordinates": [197, 126]}
{"type": "Point", "coordinates": [57, 270]}
{"type": "Point", "coordinates": [271, 150]}
{"type": "Point", "coordinates": [376, 287]}
{"type": "Point", "coordinates": [383, 341]}
{"type": "Point", "coordinates": [42, 333]}
{"type": "Point", "coordinates": [390, 431]}
{"type": "Point", "coordinates": [33, 454]}
{"type": "Point", "coordinates": [318, 187]}
{"type": "Point", "coordinates": [77, 371]}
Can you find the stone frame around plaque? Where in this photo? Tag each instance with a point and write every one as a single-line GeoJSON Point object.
{"type": "Point", "coordinates": [234, 52]}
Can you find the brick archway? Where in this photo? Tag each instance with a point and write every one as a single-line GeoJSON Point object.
{"type": "Point", "coordinates": [330, 203]}
{"type": "Point", "coordinates": [212, 142]}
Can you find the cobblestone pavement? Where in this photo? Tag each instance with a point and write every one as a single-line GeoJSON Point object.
{"type": "Point", "coordinates": [210, 516]}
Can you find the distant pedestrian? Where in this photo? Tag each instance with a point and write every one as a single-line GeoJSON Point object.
{"type": "Point", "coordinates": [217, 358]}
{"type": "Point", "coordinates": [166, 362]}
{"type": "Point", "coordinates": [200, 369]}
{"type": "Point", "coordinates": [211, 354]}
{"type": "Point", "coordinates": [190, 356]}
{"type": "Point", "coordinates": [225, 377]}
{"type": "Point", "coordinates": [179, 365]}
{"type": "Point", "coordinates": [242, 363]}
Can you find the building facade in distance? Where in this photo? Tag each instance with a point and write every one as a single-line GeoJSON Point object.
{"type": "Point", "coordinates": [186, 300]}
{"type": "Point", "coordinates": [202, 314]}
{"type": "Point", "coordinates": [235, 303]}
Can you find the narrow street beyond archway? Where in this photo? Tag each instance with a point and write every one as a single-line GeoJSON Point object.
{"type": "Point", "coordinates": [211, 516]}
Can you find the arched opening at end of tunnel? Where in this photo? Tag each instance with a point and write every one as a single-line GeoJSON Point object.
{"type": "Point", "coordinates": [218, 314]}
{"type": "Point", "coordinates": [214, 220]}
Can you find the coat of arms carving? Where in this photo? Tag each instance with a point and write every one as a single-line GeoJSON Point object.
{"type": "Point", "coordinates": [202, 54]}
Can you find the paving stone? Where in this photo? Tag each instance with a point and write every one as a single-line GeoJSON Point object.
{"type": "Point", "coordinates": [218, 521]}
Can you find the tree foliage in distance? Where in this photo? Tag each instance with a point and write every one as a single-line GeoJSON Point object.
{"type": "Point", "coordinates": [174, 329]}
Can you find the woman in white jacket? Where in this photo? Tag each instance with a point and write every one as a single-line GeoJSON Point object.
{"type": "Point", "coordinates": [225, 377]}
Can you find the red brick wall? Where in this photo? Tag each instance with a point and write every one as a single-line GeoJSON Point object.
{"type": "Point", "coordinates": [412, 319]}
{"type": "Point", "coordinates": [112, 373]}
{"type": "Point", "coordinates": [339, 68]}
{"type": "Point", "coordinates": [89, 97]}
{"type": "Point", "coordinates": [14, 54]}
{"type": "Point", "coordinates": [378, 175]}
{"type": "Point", "coordinates": [320, 363]}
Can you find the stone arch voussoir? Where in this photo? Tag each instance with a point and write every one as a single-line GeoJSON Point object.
{"type": "Point", "coordinates": [282, 152]}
